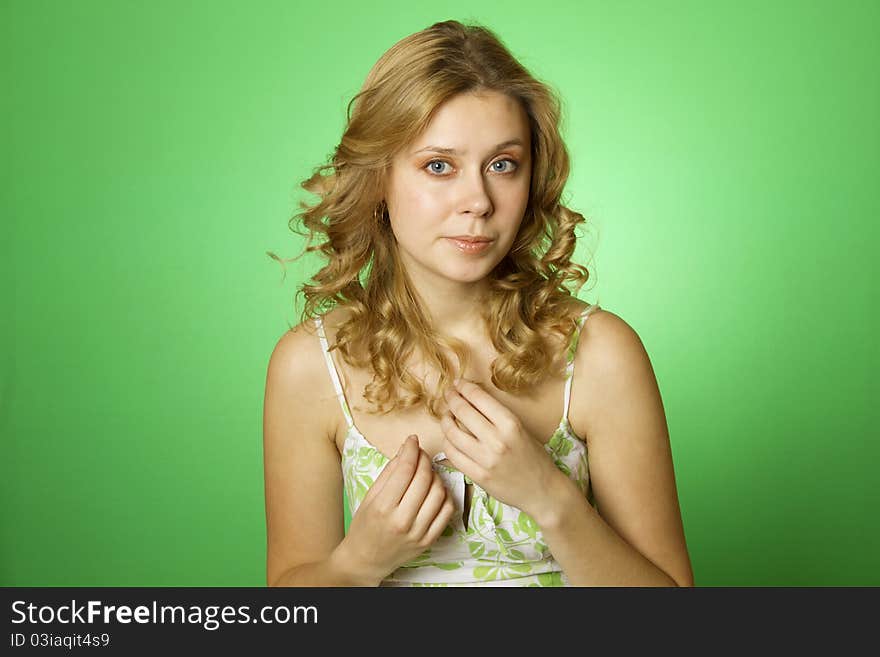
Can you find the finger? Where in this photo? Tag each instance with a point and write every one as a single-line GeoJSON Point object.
{"type": "Point", "coordinates": [471, 418]}
{"type": "Point", "coordinates": [382, 479]}
{"type": "Point", "coordinates": [430, 507]}
{"type": "Point", "coordinates": [398, 480]}
{"type": "Point", "coordinates": [460, 460]}
{"type": "Point", "coordinates": [488, 406]}
{"type": "Point", "coordinates": [440, 522]}
{"type": "Point", "coordinates": [418, 488]}
{"type": "Point", "coordinates": [466, 443]}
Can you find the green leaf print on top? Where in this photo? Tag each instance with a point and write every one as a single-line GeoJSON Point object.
{"type": "Point", "coordinates": [526, 525]}
{"type": "Point", "coordinates": [502, 545]}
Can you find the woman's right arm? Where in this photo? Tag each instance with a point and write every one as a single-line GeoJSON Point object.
{"type": "Point", "coordinates": [303, 478]}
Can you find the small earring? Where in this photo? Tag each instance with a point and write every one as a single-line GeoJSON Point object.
{"type": "Point", "coordinates": [379, 211]}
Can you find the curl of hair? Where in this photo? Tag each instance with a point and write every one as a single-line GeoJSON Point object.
{"type": "Point", "coordinates": [528, 297]}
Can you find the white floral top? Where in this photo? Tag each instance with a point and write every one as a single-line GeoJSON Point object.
{"type": "Point", "coordinates": [501, 545]}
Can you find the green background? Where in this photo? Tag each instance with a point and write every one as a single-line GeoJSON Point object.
{"type": "Point", "coordinates": [726, 154]}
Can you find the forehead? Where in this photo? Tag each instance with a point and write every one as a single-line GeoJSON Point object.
{"type": "Point", "coordinates": [475, 123]}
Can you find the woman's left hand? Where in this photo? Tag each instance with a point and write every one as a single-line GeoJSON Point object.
{"type": "Point", "coordinates": [494, 449]}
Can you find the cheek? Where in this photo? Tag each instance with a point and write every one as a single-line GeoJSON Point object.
{"type": "Point", "coordinates": [428, 203]}
{"type": "Point", "coordinates": [419, 212]}
{"type": "Point", "coordinates": [522, 194]}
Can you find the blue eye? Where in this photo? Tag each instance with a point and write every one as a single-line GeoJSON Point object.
{"type": "Point", "coordinates": [506, 160]}
{"type": "Point", "coordinates": [436, 162]}
{"type": "Point", "coordinates": [435, 172]}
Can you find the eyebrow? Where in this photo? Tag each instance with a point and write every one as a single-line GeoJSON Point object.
{"type": "Point", "coordinates": [452, 151]}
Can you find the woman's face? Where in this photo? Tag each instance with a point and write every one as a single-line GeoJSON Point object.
{"type": "Point", "coordinates": [477, 187]}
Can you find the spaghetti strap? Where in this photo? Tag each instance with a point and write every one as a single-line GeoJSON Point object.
{"type": "Point", "coordinates": [334, 375]}
{"type": "Point", "coordinates": [572, 349]}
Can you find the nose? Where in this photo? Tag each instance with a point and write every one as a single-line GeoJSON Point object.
{"type": "Point", "coordinates": [474, 195]}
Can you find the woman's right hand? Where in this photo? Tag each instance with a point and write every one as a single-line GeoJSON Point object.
{"type": "Point", "coordinates": [403, 513]}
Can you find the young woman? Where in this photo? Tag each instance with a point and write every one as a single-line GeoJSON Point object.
{"type": "Point", "coordinates": [448, 250]}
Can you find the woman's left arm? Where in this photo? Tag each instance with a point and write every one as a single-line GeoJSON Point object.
{"type": "Point", "coordinates": [636, 538]}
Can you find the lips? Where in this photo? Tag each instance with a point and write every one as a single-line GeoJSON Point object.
{"type": "Point", "coordinates": [471, 240]}
{"type": "Point", "coordinates": [470, 245]}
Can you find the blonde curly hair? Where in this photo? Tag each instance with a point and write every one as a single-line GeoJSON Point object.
{"type": "Point", "coordinates": [528, 297]}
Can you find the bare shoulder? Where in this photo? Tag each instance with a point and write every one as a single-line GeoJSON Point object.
{"type": "Point", "coordinates": [610, 358]}
{"type": "Point", "coordinates": [294, 343]}
{"type": "Point", "coordinates": [296, 354]}
{"type": "Point", "coordinates": [618, 406]}
{"type": "Point", "coordinates": [297, 373]}
{"type": "Point", "coordinates": [302, 470]}
{"type": "Point", "coordinates": [602, 324]}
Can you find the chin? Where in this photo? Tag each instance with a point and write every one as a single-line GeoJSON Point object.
{"type": "Point", "coordinates": [469, 273]}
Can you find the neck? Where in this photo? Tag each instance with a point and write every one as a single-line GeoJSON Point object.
{"type": "Point", "coordinates": [454, 308]}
